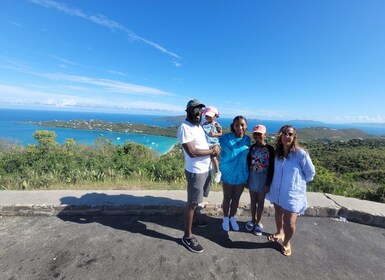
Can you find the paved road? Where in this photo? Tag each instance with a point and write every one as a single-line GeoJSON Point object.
{"type": "Point", "coordinates": [149, 247]}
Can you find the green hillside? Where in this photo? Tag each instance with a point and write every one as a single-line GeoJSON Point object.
{"type": "Point", "coordinates": [330, 135]}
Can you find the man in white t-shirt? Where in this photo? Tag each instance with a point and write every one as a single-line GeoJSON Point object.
{"type": "Point", "coordinates": [197, 156]}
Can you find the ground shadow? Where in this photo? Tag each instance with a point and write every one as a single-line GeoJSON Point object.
{"type": "Point", "coordinates": [118, 212]}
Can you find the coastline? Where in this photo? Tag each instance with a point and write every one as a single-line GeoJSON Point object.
{"type": "Point", "coordinates": [22, 134]}
{"type": "Point", "coordinates": [171, 148]}
{"type": "Point", "coordinates": [133, 127]}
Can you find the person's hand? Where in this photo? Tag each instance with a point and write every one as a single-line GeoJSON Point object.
{"type": "Point", "coordinates": [217, 150]}
{"type": "Point", "coordinates": [211, 133]}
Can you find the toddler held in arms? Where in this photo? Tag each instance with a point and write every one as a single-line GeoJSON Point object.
{"type": "Point", "coordinates": [213, 130]}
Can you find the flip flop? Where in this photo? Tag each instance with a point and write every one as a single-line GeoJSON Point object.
{"type": "Point", "coordinates": [286, 251]}
{"type": "Point", "coordinates": [273, 238]}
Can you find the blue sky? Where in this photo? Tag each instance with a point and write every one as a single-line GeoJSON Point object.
{"type": "Point", "coordinates": [320, 60]}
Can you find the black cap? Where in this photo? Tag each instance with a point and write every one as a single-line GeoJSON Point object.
{"type": "Point", "coordinates": [194, 103]}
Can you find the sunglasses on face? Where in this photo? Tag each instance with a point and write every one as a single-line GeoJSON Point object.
{"type": "Point", "coordinates": [288, 134]}
{"type": "Point", "coordinates": [197, 110]}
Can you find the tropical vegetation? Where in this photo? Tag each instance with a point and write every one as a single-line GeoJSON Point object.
{"type": "Point", "coordinates": [354, 168]}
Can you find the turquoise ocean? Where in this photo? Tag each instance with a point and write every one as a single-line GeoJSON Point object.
{"type": "Point", "coordinates": [12, 129]}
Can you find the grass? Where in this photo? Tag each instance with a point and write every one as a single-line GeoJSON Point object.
{"type": "Point", "coordinates": [127, 185]}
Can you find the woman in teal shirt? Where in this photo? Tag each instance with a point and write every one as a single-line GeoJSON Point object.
{"type": "Point", "coordinates": [233, 165]}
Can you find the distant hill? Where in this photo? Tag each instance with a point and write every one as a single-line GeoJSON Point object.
{"type": "Point", "coordinates": [330, 134]}
{"type": "Point", "coordinates": [307, 122]}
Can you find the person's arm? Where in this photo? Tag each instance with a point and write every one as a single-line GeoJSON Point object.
{"type": "Point", "coordinates": [307, 166]}
{"type": "Point", "coordinates": [218, 132]}
{"type": "Point", "coordinates": [193, 152]}
{"type": "Point", "coordinates": [249, 156]}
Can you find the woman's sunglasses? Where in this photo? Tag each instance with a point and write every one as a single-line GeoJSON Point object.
{"type": "Point", "coordinates": [288, 134]}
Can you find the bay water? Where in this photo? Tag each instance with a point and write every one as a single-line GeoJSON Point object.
{"type": "Point", "coordinates": [13, 129]}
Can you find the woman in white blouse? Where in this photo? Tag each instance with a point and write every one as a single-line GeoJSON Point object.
{"type": "Point", "coordinates": [293, 168]}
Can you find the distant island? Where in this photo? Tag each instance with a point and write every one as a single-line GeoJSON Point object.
{"type": "Point", "coordinates": [98, 125]}
{"type": "Point", "coordinates": [317, 133]}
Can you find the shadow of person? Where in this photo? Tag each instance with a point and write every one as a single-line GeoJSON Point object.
{"type": "Point", "coordinates": [230, 239]}
{"type": "Point", "coordinates": [124, 212]}
{"type": "Point", "coordinates": [99, 199]}
{"type": "Point", "coordinates": [133, 214]}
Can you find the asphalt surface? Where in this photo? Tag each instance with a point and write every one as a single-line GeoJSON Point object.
{"type": "Point", "coordinates": [149, 247]}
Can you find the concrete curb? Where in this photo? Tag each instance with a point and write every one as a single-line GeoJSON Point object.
{"type": "Point", "coordinates": [360, 211]}
{"type": "Point", "coordinates": [85, 203]}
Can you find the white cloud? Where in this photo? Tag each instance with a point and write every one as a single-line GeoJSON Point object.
{"type": "Point", "coordinates": [106, 84]}
{"type": "Point", "coordinates": [155, 45]}
{"type": "Point", "coordinates": [99, 84]}
{"type": "Point", "coordinates": [16, 24]}
{"type": "Point", "coordinates": [361, 119]}
{"type": "Point", "coordinates": [63, 60]}
{"type": "Point", "coordinates": [103, 21]}
{"type": "Point", "coordinates": [14, 64]}
{"type": "Point", "coordinates": [153, 106]}
{"type": "Point", "coordinates": [21, 96]}
{"type": "Point", "coordinates": [116, 72]}
{"type": "Point", "coordinates": [177, 64]}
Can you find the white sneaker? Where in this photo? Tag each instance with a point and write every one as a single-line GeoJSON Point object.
{"type": "Point", "coordinates": [258, 230]}
{"type": "Point", "coordinates": [226, 224]}
{"type": "Point", "coordinates": [234, 224]}
{"type": "Point", "coordinates": [217, 177]}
